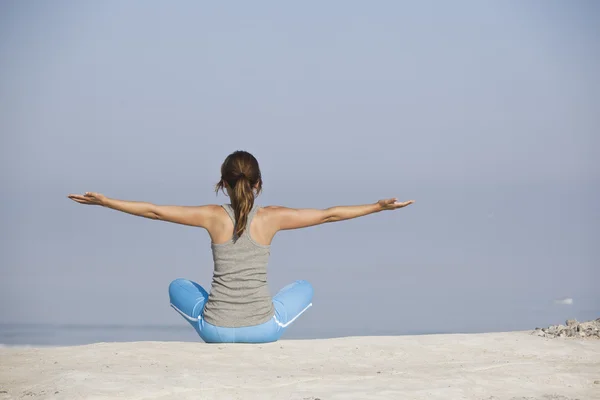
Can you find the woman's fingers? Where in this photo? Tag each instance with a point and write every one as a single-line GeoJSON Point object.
{"type": "Point", "coordinates": [80, 199]}
{"type": "Point", "coordinates": [388, 202]}
{"type": "Point", "coordinates": [392, 204]}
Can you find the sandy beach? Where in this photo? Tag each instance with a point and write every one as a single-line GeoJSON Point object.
{"type": "Point", "coordinates": [515, 365]}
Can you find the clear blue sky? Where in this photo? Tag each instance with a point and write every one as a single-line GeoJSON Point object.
{"type": "Point", "coordinates": [486, 113]}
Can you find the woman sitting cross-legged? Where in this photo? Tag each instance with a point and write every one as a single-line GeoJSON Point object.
{"type": "Point", "coordinates": [239, 308]}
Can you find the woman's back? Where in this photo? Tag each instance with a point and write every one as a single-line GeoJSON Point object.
{"type": "Point", "coordinates": [239, 307]}
{"type": "Point", "coordinates": [239, 294]}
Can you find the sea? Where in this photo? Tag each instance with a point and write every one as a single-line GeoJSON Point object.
{"type": "Point", "coordinates": [73, 334]}
{"type": "Point", "coordinates": [53, 335]}
{"type": "Point", "coordinates": [42, 335]}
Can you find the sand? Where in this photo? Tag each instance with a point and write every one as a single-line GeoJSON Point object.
{"type": "Point", "coordinates": [494, 366]}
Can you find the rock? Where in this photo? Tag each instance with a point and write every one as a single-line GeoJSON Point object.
{"type": "Point", "coordinates": [572, 329]}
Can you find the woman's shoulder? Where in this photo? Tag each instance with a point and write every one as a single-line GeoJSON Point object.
{"type": "Point", "coordinates": [271, 209]}
{"type": "Point", "coordinates": [272, 212]}
{"type": "Point", "coordinates": [218, 211]}
{"type": "Point", "coordinates": [268, 208]}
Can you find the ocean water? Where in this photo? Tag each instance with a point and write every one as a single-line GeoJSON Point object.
{"type": "Point", "coordinates": [464, 320]}
{"type": "Point", "coordinates": [40, 335]}
{"type": "Point", "coordinates": [49, 335]}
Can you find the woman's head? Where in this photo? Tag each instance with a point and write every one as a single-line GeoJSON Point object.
{"type": "Point", "coordinates": [240, 176]}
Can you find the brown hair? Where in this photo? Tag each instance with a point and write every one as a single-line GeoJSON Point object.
{"type": "Point", "coordinates": [241, 172]}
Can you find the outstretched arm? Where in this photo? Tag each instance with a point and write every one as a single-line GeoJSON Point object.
{"type": "Point", "coordinates": [293, 218]}
{"type": "Point", "coordinates": [186, 215]}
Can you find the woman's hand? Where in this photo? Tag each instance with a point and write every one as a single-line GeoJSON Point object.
{"type": "Point", "coordinates": [393, 204]}
{"type": "Point", "coordinates": [89, 198]}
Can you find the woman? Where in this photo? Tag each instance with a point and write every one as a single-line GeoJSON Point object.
{"type": "Point", "coordinates": [239, 308]}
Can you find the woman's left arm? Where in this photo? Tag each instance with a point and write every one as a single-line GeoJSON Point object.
{"type": "Point", "coordinates": [200, 216]}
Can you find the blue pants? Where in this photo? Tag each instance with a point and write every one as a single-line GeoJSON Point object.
{"type": "Point", "coordinates": [188, 299]}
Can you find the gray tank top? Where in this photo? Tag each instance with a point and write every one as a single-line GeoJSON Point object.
{"type": "Point", "coordinates": [239, 294]}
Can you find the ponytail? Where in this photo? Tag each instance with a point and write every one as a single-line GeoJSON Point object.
{"type": "Point", "coordinates": [242, 202]}
{"type": "Point", "coordinates": [241, 175]}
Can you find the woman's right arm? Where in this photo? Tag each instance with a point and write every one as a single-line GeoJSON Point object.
{"type": "Point", "coordinates": [294, 218]}
{"type": "Point", "coordinates": [200, 216]}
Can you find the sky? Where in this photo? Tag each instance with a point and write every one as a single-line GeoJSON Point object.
{"type": "Point", "coordinates": [486, 113]}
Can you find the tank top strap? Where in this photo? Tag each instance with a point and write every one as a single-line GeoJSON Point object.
{"type": "Point", "coordinates": [251, 215]}
{"type": "Point", "coordinates": [229, 209]}
{"type": "Point", "coordinates": [230, 212]}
